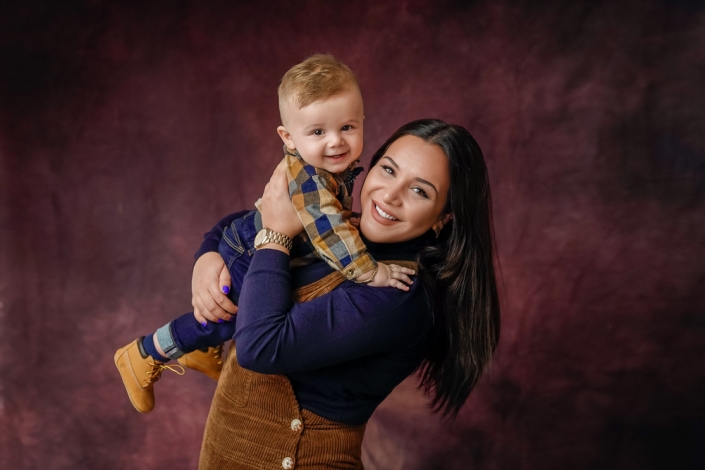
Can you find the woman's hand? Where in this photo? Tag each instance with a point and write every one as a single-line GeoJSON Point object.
{"type": "Point", "coordinates": [209, 280]}
{"type": "Point", "coordinates": [277, 211]}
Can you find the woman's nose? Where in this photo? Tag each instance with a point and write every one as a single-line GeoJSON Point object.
{"type": "Point", "coordinates": [392, 195]}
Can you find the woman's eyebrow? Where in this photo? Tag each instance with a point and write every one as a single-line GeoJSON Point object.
{"type": "Point", "coordinates": [420, 180]}
{"type": "Point", "coordinates": [392, 161]}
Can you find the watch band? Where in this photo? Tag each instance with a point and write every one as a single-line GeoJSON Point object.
{"type": "Point", "coordinates": [270, 236]}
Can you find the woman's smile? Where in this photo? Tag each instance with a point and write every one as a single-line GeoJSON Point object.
{"type": "Point", "coordinates": [384, 217]}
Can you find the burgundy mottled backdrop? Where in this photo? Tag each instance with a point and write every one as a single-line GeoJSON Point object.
{"type": "Point", "coordinates": [123, 127]}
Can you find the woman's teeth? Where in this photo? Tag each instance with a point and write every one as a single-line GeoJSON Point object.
{"type": "Point", "coordinates": [384, 214]}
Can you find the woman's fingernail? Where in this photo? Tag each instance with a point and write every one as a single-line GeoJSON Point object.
{"type": "Point", "coordinates": [220, 320]}
{"type": "Point", "coordinates": [203, 323]}
{"type": "Point", "coordinates": [226, 289]}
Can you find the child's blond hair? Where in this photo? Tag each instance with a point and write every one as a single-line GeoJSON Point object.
{"type": "Point", "coordinates": [317, 78]}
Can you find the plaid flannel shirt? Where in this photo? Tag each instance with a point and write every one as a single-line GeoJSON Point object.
{"type": "Point", "coordinates": [324, 205]}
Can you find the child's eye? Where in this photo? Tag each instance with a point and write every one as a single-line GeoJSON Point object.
{"type": "Point", "coordinates": [420, 191]}
{"type": "Point", "coordinates": [318, 132]}
{"type": "Point", "coordinates": [346, 128]}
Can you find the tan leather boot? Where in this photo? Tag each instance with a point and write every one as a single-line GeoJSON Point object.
{"type": "Point", "coordinates": [139, 372]}
{"type": "Point", "coordinates": [209, 362]}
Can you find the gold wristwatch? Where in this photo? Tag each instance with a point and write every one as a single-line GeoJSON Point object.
{"type": "Point", "coordinates": [266, 235]}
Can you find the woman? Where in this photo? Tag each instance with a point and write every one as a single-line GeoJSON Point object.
{"type": "Point", "coordinates": [309, 375]}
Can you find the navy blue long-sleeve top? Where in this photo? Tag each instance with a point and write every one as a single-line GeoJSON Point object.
{"type": "Point", "coordinates": [343, 352]}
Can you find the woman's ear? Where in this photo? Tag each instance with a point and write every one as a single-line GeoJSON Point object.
{"type": "Point", "coordinates": [286, 137]}
{"type": "Point", "coordinates": [440, 223]}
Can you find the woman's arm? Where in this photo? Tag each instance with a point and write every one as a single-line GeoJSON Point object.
{"type": "Point", "coordinates": [276, 336]}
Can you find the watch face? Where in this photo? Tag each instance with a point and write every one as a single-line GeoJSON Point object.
{"type": "Point", "coordinates": [260, 238]}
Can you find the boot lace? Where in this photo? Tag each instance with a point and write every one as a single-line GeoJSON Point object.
{"type": "Point", "coordinates": [218, 353]}
{"type": "Point", "coordinates": [156, 370]}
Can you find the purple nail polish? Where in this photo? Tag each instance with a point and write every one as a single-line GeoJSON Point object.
{"type": "Point", "coordinates": [226, 289]}
{"type": "Point", "coordinates": [203, 323]}
{"type": "Point", "coordinates": [220, 320]}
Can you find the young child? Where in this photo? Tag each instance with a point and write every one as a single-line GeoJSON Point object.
{"type": "Point", "coordinates": [322, 127]}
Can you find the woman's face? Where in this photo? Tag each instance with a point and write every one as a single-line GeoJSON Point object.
{"type": "Point", "coordinates": [404, 194]}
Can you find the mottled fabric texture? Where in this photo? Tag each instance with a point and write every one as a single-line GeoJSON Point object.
{"type": "Point", "coordinates": [127, 129]}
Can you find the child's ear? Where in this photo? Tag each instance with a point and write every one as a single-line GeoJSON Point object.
{"type": "Point", "coordinates": [286, 137]}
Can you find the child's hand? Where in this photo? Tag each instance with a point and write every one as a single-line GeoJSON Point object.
{"type": "Point", "coordinates": [392, 275]}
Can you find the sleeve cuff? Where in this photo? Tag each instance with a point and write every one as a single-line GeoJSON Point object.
{"type": "Point", "coordinates": [360, 266]}
{"type": "Point", "coordinates": [270, 260]}
{"type": "Point", "coordinates": [206, 247]}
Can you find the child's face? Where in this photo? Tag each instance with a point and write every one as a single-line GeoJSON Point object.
{"type": "Point", "coordinates": [328, 133]}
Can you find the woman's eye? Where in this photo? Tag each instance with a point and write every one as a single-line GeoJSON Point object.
{"type": "Point", "coordinates": [346, 128]}
{"type": "Point", "coordinates": [318, 132]}
{"type": "Point", "coordinates": [420, 191]}
{"type": "Point", "coordinates": [388, 169]}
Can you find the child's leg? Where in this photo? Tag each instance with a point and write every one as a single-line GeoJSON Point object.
{"type": "Point", "coordinates": [184, 334]}
{"type": "Point", "coordinates": [141, 362]}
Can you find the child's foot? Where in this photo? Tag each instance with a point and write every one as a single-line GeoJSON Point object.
{"type": "Point", "coordinates": [139, 372]}
{"type": "Point", "coordinates": [208, 362]}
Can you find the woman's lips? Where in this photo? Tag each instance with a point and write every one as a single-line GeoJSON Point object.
{"type": "Point", "coordinates": [379, 218]}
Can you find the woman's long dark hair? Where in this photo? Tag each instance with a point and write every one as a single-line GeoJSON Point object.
{"type": "Point", "coordinates": [458, 273]}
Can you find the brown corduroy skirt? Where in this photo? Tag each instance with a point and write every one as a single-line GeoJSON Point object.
{"type": "Point", "coordinates": [255, 422]}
